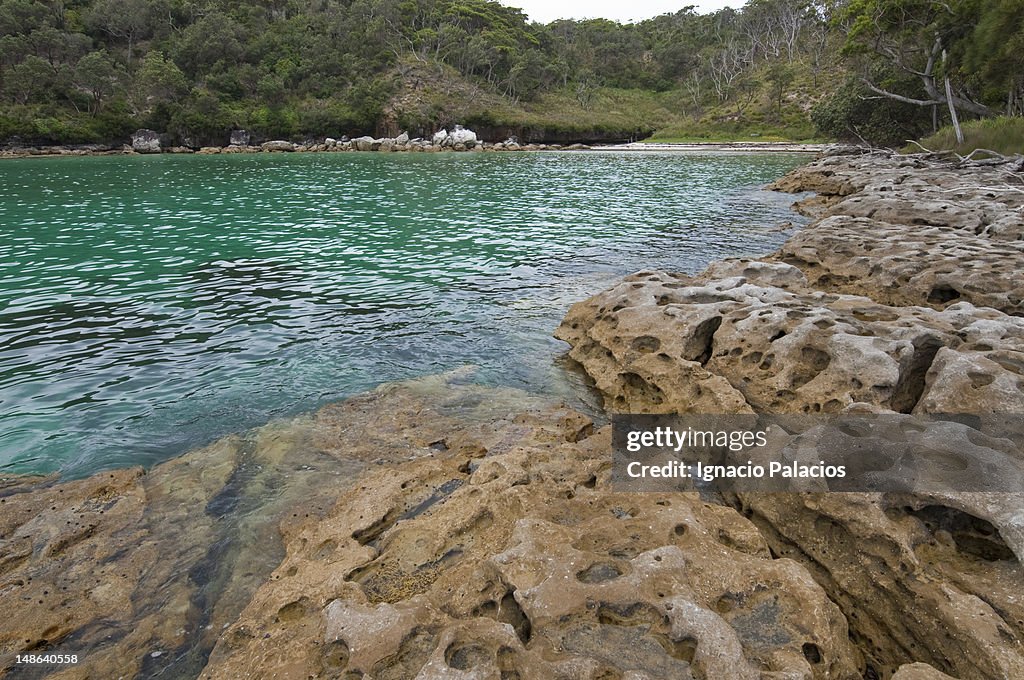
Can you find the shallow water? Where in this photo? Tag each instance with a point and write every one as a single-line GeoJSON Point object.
{"type": "Point", "coordinates": [149, 305]}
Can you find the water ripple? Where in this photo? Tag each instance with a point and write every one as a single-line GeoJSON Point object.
{"type": "Point", "coordinates": [150, 304]}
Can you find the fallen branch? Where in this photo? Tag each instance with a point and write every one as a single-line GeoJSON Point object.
{"type": "Point", "coordinates": [920, 146]}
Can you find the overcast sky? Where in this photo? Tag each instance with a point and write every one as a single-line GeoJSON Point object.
{"type": "Point", "coordinates": [620, 10]}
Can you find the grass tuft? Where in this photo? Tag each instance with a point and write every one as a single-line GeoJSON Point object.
{"type": "Point", "coordinates": [1004, 135]}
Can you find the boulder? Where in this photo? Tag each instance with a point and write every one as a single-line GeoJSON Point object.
{"type": "Point", "coordinates": [440, 137]}
{"type": "Point", "coordinates": [364, 143]}
{"type": "Point", "coordinates": [146, 141]}
{"type": "Point", "coordinates": [277, 145]}
{"type": "Point", "coordinates": [402, 139]}
{"type": "Point", "coordinates": [460, 135]}
{"type": "Point", "coordinates": [239, 138]}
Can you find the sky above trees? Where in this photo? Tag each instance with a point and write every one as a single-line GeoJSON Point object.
{"type": "Point", "coordinates": [546, 11]}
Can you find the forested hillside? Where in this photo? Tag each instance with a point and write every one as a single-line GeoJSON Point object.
{"type": "Point", "coordinates": [884, 71]}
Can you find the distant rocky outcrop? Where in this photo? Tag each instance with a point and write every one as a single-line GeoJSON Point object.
{"type": "Point", "coordinates": [240, 141]}
{"type": "Point", "coordinates": [460, 135]}
{"type": "Point", "coordinates": [364, 143]}
{"type": "Point", "coordinates": [146, 141]}
{"type": "Point", "coordinates": [239, 138]}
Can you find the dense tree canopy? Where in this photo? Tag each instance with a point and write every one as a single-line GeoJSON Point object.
{"type": "Point", "coordinates": [93, 70]}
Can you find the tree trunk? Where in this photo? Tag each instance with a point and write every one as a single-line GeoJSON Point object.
{"type": "Point", "coordinates": [952, 107]}
{"type": "Point", "coordinates": [952, 114]}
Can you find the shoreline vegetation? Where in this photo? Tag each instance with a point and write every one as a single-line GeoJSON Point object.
{"type": "Point", "coordinates": [866, 71]}
{"type": "Point", "coordinates": [435, 526]}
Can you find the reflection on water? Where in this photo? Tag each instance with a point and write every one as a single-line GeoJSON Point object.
{"type": "Point", "coordinates": [150, 304]}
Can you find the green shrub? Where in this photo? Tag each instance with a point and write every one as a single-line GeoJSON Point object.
{"type": "Point", "coordinates": [326, 117]}
{"type": "Point", "coordinates": [851, 115]}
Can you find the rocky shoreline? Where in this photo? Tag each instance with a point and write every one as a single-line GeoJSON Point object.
{"type": "Point", "coordinates": [459, 140]}
{"type": "Point", "coordinates": [437, 529]}
{"type": "Point", "coordinates": [151, 142]}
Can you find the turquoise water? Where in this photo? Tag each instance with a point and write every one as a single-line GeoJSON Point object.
{"type": "Point", "coordinates": [151, 304]}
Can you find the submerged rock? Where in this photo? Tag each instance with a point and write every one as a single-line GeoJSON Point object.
{"type": "Point", "coordinates": [428, 528]}
{"type": "Point", "coordinates": [500, 551]}
{"type": "Point", "coordinates": [125, 562]}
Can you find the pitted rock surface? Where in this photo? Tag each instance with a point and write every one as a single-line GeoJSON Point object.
{"type": "Point", "coordinates": [519, 562]}
{"type": "Point", "coordinates": [894, 265]}
{"type": "Point", "coordinates": [667, 343]}
{"type": "Point", "coordinates": [919, 577]}
{"type": "Point", "coordinates": [906, 297]}
{"type": "Point", "coordinates": [984, 200]}
{"type": "Point", "coordinates": [427, 529]}
{"type": "Point", "coordinates": [438, 529]}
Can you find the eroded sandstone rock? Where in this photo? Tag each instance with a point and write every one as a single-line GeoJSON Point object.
{"type": "Point", "coordinates": [905, 298]}
{"type": "Point", "coordinates": [663, 343]}
{"type": "Point", "coordinates": [124, 564]}
{"type": "Point", "coordinates": [984, 200]}
{"type": "Point", "coordinates": [474, 536]}
{"type": "Point", "coordinates": [919, 578]}
{"type": "Point", "coordinates": [503, 554]}
{"type": "Point", "coordinates": [919, 671]}
{"type": "Point", "coordinates": [924, 265]}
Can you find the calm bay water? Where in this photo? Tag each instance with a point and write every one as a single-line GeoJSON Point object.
{"type": "Point", "coordinates": [151, 304]}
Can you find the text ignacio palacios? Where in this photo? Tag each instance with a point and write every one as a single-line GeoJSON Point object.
{"type": "Point", "coordinates": [670, 439]}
